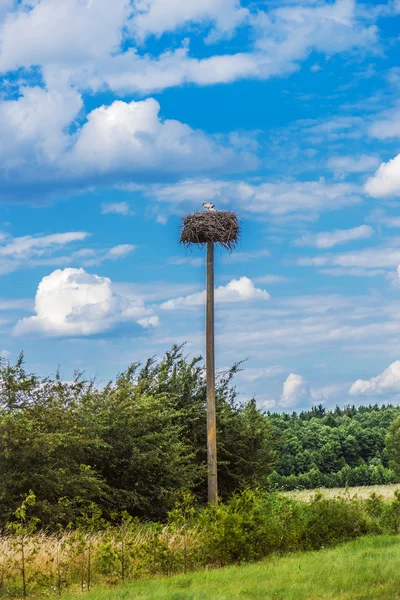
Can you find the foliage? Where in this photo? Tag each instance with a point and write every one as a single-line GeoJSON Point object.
{"type": "Point", "coordinates": [250, 526]}
{"type": "Point", "coordinates": [134, 445]}
{"type": "Point", "coordinates": [393, 445]}
{"type": "Point", "coordinates": [139, 443]}
{"type": "Point", "coordinates": [339, 448]}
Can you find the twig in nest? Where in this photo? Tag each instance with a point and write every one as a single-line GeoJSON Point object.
{"type": "Point", "coordinates": [219, 227]}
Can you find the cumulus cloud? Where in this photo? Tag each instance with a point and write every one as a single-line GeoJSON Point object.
{"type": "Point", "coordinates": [295, 390]}
{"type": "Point", "coordinates": [123, 141]}
{"type": "Point", "coordinates": [386, 181]}
{"type": "Point", "coordinates": [386, 382]}
{"type": "Point", "coordinates": [131, 138]}
{"type": "Point", "coordinates": [81, 39]}
{"type": "Point", "coordinates": [328, 239]}
{"type": "Point", "coordinates": [72, 302]}
{"type": "Point", "coordinates": [5, 354]}
{"type": "Point", "coordinates": [33, 131]}
{"type": "Point", "coordinates": [65, 33]}
{"type": "Point", "coordinates": [237, 290]}
{"type": "Point", "coordinates": [49, 143]}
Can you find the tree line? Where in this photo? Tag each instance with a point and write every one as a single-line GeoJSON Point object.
{"type": "Point", "coordinates": [348, 446]}
{"type": "Point", "coordinates": [139, 442]}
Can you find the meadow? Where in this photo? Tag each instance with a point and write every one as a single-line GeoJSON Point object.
{"type": "Point", "coordinates": [105, 487]}
{"type": "Point", "coordinates": [386, 492]}
{"type": "Point", "coordinates": [365, 569]}
{"type": "Point", "coordinates": [249, 527]}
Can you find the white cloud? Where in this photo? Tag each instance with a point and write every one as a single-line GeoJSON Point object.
{"type": "Point", "coordinates": [88, 257]}
{"type": "Point", "coordinates": [387, 125]}
{"type": "Point", "coordinates": [5, 354]}
{"type": "Point", "coordinates": [67, 33]}
{"type": "Point", "coordinates": [352, 272]}
{"type": "Point", "coordinates": [80, 40]}
{"type": "Point", "coordinates": [119, 251]}
{"type": "Point", "coordinates": [72, 302]}
{"type": "Point", "coordinates": [88, 46]}
{"type": "Point", "coordinates": [295, 390]}
{"type": "Point", "coordinates": [262, 373]}
{"type": "Point", "coordinates": [28, 251]}
{"type": "Point", "coordinates": [328, 239]}
{"type": "Point", "coordinates": [33, 251]}
{"type": "Point", "coordinates": [130, 138]}
{"type": "Point", "coordinates": [117, 208]}
{"type": "Point", "coordinates": [342, 165]}
{"type": "Point", "coordinates": [326, 393]}
{"type": "Point", "coordinates": [117, 143]}
{"type": "Point", "coordinates": [266, 403]}
{"type": "Point", "coordinates": [15, 304]}
{"type": "Point", "coordinates": [278, 199]}
{"type": "Point", "coordinates": [153, 321]}
{"type": "Point", "coordinates": [186, 260]}
{"type": "Point", "coordinates": [158, 16]}
{"type": "Point", "coordinates": [271, 279]}
{"type": "Point", "coordinates": [386, 382]}
{"type": "Point", "coordinates": [237, 290]}
{"type": "Point", "coordinates": [236, 257]}
{"type": "Point", "coordinates": [29, 246]}
{"type": "Point", "coordinates": [386, 181]}
{"type": "Point", "coordinates": [33, 131]}
{"type": "Point", "coordinates": [370, 258]}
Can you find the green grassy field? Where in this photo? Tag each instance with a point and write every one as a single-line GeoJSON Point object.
{"type": "Point", "coordinates": [366, 569]}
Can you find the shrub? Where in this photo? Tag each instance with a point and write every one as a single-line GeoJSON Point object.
{"type": "Point", "coordinates": [251, 525]}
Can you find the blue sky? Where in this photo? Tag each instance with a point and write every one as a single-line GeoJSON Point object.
{"type": "Point", "coordinates": [117, 118]}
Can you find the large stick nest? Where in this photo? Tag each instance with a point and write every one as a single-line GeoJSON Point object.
{"type": "Point", "coordinates": [220, 227]}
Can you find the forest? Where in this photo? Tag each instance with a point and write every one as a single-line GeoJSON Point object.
{"type": "Point", "coordinates": [138, 443]}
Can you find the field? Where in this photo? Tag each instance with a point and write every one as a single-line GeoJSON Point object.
{"type": "Point", "coordinates": [366, 569]}
{"type": "Point", "coordinates": [362, 492]}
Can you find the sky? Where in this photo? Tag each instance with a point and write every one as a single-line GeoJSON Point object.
{"type": "Point", "coordinates": [118, 118]}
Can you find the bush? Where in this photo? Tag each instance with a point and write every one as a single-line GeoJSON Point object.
{"type": "Point", "coordinates": [251, 525]}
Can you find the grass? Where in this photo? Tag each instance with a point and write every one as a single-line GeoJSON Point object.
{"type": "Point", "coordinates": [365, 569]}
{"type": "Point", "coordinates": [361, 492]}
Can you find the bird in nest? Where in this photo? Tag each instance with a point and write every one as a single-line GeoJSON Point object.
{"type": "Point", "coordinates": [208, 206]}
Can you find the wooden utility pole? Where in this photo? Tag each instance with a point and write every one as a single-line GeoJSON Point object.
{"type": "Point", "coordinates": [208, 228]}
{"type": "Point", "coordinates": [210, 374]}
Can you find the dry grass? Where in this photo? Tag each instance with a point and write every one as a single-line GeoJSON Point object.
{"type": "Point", "coordinates": [361, 492]}
{"type": "Point", "coordinates": [74, 561]}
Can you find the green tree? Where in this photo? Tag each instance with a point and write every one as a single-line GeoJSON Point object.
{"type": "Point", "coordinates": [393, 444]}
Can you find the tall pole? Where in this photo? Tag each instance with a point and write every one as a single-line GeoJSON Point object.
{"type": "Point", "coordinates": [210, 374]}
